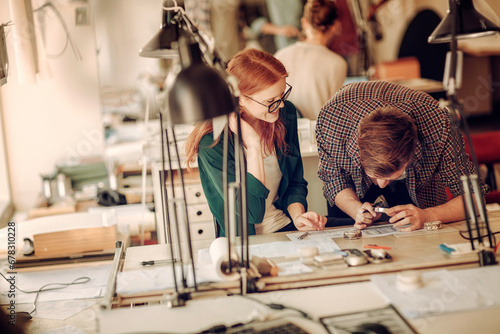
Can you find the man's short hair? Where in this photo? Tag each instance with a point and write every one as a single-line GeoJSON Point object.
{"type": "Point", "coordinates": [387, 138]}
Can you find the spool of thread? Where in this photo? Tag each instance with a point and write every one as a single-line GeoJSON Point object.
{"type": "Point", "coordinates": [219, 253]}
{"type": "Point", "coordinates": [352, 234]}
{"type": "Point", "coordinates": [433, 225]}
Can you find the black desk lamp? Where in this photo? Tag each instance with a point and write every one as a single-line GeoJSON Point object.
{"type": "Point", "coordinates": [200, 90]}
{"type": "Point", "coordinates": [160, 46]}
{"type": "Point", "coordinates": [203, 90]}
{"type": "Point", "coordinates": [463, 21]}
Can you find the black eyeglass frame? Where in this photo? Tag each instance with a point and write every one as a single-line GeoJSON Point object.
{"type": "Point", "coordinates": [274, 105]}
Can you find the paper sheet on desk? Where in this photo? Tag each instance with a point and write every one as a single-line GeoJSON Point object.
{"type": "Point", "coordinates": [278, 248]}
{"type": "Point", "coordinates": [444, 291]}
{"type": "Point", "coordinates": [34, 280]}
{"type": "Point", "coordinates": [373, 231]}
{"type": "Point", "coordinates": [60, 309]}
{"type": "Point", "coordinates": [161, 278]}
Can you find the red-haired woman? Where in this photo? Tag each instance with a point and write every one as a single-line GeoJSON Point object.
{"type": "Point", "coordinates": [276, 189]}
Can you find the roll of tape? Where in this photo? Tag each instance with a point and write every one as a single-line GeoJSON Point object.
{"type": "Point", "coordinates": [409, 280]}
{"type": "Point", "coordinates": [219, 253]}
{"type": "Point", "coordinates": [353, 234]}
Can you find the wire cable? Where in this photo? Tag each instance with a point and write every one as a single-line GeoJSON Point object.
{"type": "Point", "coordinates": [59, 286]}
{"type": "Point", "coordinates": [275, 306]}
{"type": "Point", "coordinates": [69, 39]}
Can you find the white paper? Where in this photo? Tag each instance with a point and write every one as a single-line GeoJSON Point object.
{"type": "Point", "coordinates": [161, 278]}
{"type": "Point", "coordinates": [290, 248]}
{"type": "Point", "coordinates": [444, 291]}
{"type": "Point", "coordinates": [61, 309]}
{"type": "Point", "coordinates": [444, 229]}
{"type": "Point", "coordinates": [292, 268]}
{"type": "Point", "coordinates": [65, 330]}
{"type": "Point", "coordinates": [371, 231]}
{"type": "Point", "coordinates": [491, 207]}
{"type": "Point", "coordinates": [34, 280]}
{"type": "Point", "coordinates": [279, 248]}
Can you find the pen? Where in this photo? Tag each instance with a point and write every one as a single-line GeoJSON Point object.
{"type": "Point", "coordinates": [376, 247]}
{"type": "Point", "coordinates": [154, 262]}
{"type": "Point", "coordinates": [303, 235]}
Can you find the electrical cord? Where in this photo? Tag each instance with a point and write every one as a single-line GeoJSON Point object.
{"type": "Point", "coordinates": [69, 40]}
{"type": "Point", "coordinates": [463, 235]}
{"type": "Point", "coordinates": [275, 306]}
{"type": "Point", "coordinates": [79, 280]}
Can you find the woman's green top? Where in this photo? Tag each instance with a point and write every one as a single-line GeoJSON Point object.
{"type": "Point", "coordinates": [292, 188]}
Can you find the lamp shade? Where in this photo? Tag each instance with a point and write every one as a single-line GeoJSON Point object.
{"type": "Point", "coordinates": [470, 24]}
{"type": "Point", "coordinates": [199, 93]}
{"type": "Point", "coordinates": [160, 46]}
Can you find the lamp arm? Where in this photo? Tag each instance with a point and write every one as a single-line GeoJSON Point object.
{"type": "Point", "coordinates": [469, 195]}
{"type": "Point", "coordinates": [175, 7]}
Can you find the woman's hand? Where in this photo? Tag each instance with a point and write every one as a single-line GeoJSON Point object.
{"type": "Point", "coordinates": [250, 137]}
{"type": "Point", "coordinates": [407, 214]}
{"type": "Point", "coordinates": [310, 221]}
{"type": "Point", "coordinates": [365, 216]}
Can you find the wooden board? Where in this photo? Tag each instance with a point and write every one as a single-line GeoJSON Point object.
{"type": "Point", "coordinates": [72, 242]}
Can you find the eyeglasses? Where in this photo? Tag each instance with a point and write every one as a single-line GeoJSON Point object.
{"type": "Point", "coordinates": [275, 105]}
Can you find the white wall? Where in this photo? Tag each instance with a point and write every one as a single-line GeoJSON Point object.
{"type": "Point", "coordinates": [58, 117]}
{"type": "Point", "coordinates": [122, 28]}
{"type": "Point", "coordinates": [4, 173]}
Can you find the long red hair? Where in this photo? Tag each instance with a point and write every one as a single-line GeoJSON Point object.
{"type": "Point", "coordinates": [255, 70]}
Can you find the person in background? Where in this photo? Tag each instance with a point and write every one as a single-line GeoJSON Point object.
{"type": "Point", "coordinates": [316, 72]}
{"type": "Point", "coordinates": [382, 142]}
{"type": "Point", "coordinates": [221, 19]}
{"type": "Point", "coordinates": [276, 189]}
{"type": "Point", "coordinates": [347, 42]}
{"type": "Point", "coordinates": [279, 19]}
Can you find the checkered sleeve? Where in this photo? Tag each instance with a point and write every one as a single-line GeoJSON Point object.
{"type": "Point", "coordinates": [456, 162]}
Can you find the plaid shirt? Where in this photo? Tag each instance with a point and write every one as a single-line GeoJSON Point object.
{"type": "Point", "coordinates": [433, 166]}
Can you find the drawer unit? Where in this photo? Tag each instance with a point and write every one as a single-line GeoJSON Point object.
{"type": "Point", "coordinates": [194, 193]}
{"type": "Point", "coordinates": [202, 231]}
{"type": "Point", "coordinates": [199, 215]}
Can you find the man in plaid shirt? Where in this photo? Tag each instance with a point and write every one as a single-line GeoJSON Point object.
{"type": "Point", "coordinates": [380, 140]}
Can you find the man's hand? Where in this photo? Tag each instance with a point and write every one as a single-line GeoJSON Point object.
{"type": "Point", "coordinates": [310, 221]}
{"type": "Point", "coordinates": [365, 216]}
{"type": "Point", "coordinates": [407, 214]}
